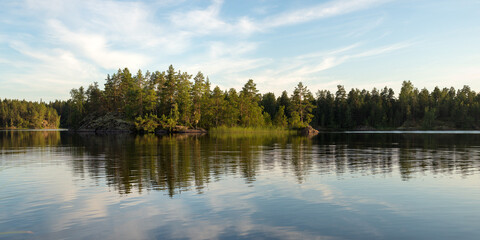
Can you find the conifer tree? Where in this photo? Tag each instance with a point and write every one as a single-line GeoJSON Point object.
{"type": "Point", "coordinates": [302, 103]}
{"type": "Point", "coordinates": [168, 91]}
{"type": "Point", "coordinates": [280, 119]}
{"type": "Point", "coordinates": [184, 98]}
{"type": "Point", "coordinates": [198, 90]}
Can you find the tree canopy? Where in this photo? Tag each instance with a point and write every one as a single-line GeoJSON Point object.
{"type": "Point", "coordinates": [25, 114]}
{"type": "Point", "coordinates": [172, 97]}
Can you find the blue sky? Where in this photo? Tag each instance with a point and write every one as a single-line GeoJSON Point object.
{"type": "Point", "coordinates": [51, 46]}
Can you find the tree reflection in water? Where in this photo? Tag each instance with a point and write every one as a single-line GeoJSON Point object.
{"type": "Point", "coordinates": [177, 163]}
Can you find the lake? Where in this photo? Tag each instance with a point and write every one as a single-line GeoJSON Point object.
{"type": "Point", "coordinates": [388, 185]}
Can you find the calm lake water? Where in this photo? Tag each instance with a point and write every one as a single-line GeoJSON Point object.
{"type": "Point", "coordinates": [58, 185]}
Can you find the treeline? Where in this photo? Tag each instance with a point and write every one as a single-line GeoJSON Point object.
{"type": "Point", "coordinates": [16, 114]}
{"type": "Point", "coordinates": [166, 99]}
{"type": "Point", "coordinates": [445, 108]}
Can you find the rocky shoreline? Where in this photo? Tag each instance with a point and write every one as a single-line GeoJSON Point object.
{"type": "Point", "coordinates": [115, 123]}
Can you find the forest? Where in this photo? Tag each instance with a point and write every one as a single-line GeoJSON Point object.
{"type": "Point", "coordinates": [23, 114]}
{"type": "Point", "coordinates": [163, 100]}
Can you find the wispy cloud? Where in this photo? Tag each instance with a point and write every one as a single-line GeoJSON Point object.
{"type": "Point", "coordinates": [200, 21]}
{"type": "Point", "coordinates": [309, 67]}
{"type": "Point", "coordinates": [54, 70]}
{"type": "Point", "coordinates": [276, 75]}
{"type": "Point", "coordinates": [80, 41]}
{"type": "Point", "coordinates": [208, 21]}
{"type": "Point", "coordinates": [383, 49]}
{"type": "Point", "coordinates": [95, 48]}
{"type": "Point", "coordinates": [221, 49]}
{"type": "Point", "coordinates": [329, 9]}
{"type": "Point", "coordinates": [69, 44]}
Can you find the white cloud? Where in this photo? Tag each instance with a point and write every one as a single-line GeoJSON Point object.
{"type": "Point", "coordinates": [208, 21]}
{"type": "Point", "coordinates": [228, 67]}
{"type": "Point", "coordinates": [75, 43]}
{"type": "Point", "coordinates": [283, 74]}
{"type": "Point", "coordinates": [201, 21]}
{"type": "Point", "coordinates": [276, 75]}
{"type": "Point", "coordinates": [53, 70]}
{"type": "Point", "coordinates": [221, 49]}
{"type": "Point", "coordinates": [95, 47]}
{"type": "Point", "coordinates": [127, 25]}
{"type": "Point", "coordinates": [80, 41]}
{"type": "Point", "coordinates": [330, 9]}
{"type": "Point", "coordinates": [382, 50]}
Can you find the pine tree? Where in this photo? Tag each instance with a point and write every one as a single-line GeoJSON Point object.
{"type": "Point", "coordinates": [250, 111]}
{"type": "Point", "coordinates": [218, 106]}
{"type": "Point", "coordinates": [284, 101]}
{"type": "Point", "coordinates": [232, 114]}
{"type": "Point", "coordinates": [184, 98]}
{"type": "Point", "coordinates": [280, 119]}
{"type": "Point", "coordinates": [269, 103]}
{"type": "Point", "coordinates": [198, 90]}
{"type": "Point", "coordinates": [302, 103]}
{"type": "Point", "coordinates": [168, 91]}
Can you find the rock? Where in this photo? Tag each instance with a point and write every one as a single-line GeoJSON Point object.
{"type": "Point", "coordinates": [110, 122]}
{"type": "Point", "coordinates": [308, 131]}
{"type": "Point", "coordinates": [364, 128]}
{"type": "Point", "coordinates": [179, 129]}
{"type": "Point", "coordinates": [161, 131]}
{"type": "Point", "coordinates": [409, 125]}
{"type": "Point", "coordinates": [183, 129]}
{"type": "Point", "coordinates": [114, 122]}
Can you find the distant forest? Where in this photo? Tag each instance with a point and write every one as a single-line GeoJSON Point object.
{"type": "Point", "coordinates": [24, 114]}
{"type": "Point", "coordinates": [163, 100]}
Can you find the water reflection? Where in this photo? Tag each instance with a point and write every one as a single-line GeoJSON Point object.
{"type": "Point", "coordinates": [58, 185]}
{"type": "Point", "coordinates": [177, 163]}
{"type": "Point", "coordinates": [15, 140]}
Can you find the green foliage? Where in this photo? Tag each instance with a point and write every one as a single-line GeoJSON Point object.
{"type": "Point", "coordinates": [16, 114]}
{"type": "Point", "coordinates": [284, 101]}
{"type": "Point", "coordinates": [269, 103]}
{"type": "Point", "coordinates": [295, 121]}
{"type": "Point", "coordinates": [429, 118]}
{"type": "Point", "coordinates": [325, 109]}
{"type": "Point", "coordinates": [198, 90]}
{"type": "Point", "coordinates": [94, 99]}
{"type": "Point", "coordinates": [250, 110]}
{"type": "Point", "coordinates": [168, 92]}
{"type": "Point", "coordinates": [303, 104]}
{"type": "Point", "coordinates": [280, 119]}
{"type": "Point", "coordinates": [172, 95]}
{"type": "Point", "coordinates": [173, 117]}
{"type": "Point", "coordinates": [76, 106]}
{"type": "Point", "coordinates": [147, 124]}
{"type": "Point", "coordinates": [232, 114]}
{"type": "Point", "coordinates": [267, 120]}
{"type": "Point", "coordinates": [184, 99]}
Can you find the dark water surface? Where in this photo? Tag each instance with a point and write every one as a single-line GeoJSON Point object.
{"type": "Point", "coordinates": [57, 185]}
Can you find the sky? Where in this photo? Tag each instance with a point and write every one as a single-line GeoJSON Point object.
{"type": "Point", "coordinates": [49, 47]}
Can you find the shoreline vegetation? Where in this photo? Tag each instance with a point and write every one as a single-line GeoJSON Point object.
{"type": "Point", "coordinates": [21, 114]}
{"type": "Point", "coordinates": [172, 101]}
